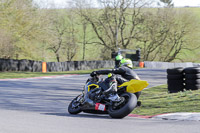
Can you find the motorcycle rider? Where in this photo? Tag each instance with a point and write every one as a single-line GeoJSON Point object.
{"type": "Point", "coordinates": [118, 58]}
{"type": "Point", "coordinates": [126, 72]}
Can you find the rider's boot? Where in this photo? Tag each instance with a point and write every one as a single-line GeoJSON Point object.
{"type": "Point", "coordinates": [139, 103]}
{"type": "Point", "coordinates": [111, 93]}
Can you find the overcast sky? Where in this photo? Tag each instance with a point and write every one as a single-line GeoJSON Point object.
{"type": "Point", "coordinates": [186, 2]}
{"type": "Point", "coordinates": [177, 3]}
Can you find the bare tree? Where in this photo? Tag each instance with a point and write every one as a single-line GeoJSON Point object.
{"type": "Point", "coordinates": [63, 33]}
{"type": "Point", "coordinates": [84, 24]}
{"type": "Point", "coordinates": [86, 35]}
{"type": "Point", "coordinates": [115, 22]}
{"type": "Point", "coordinates": [71, 43]}
{"type": "Point", "coordinates": [59, 28]}
{"type": "Point", "coordinates": [168, 3]}
{"type": "Point", "coordinates": [7, 49]}
{"type": "Point", "coordinates": [164, 34]}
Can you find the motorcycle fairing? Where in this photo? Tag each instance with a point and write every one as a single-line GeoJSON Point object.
{"type": "Point", "coordinates": [92, 86]}
{"type": "Point", "coordinates": [134, 85]}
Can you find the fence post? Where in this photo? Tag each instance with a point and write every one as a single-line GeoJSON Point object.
{"type": "Point", "coordinates": [141, 64]}
{"type": "Point", "coordinates": [44, 67]}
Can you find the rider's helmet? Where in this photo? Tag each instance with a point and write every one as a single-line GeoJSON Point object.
{"type": "Point", "coordinates": [126, 62]}
{"type": "Point", "coordinates": [118, 58]}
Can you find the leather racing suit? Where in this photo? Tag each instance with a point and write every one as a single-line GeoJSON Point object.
{"type": "Point", "coordinates": [125, 72]}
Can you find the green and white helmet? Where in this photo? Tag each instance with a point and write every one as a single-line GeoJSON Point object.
{"type": "Point", "coordinates": [119, 57]}
{"type": "Point", "coordinates": [126, 62]}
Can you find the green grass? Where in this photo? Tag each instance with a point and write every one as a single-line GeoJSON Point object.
{"type": "Point", "coordinates": [10, 75]}
{"type": "Point", "coordinates": [157, 100]}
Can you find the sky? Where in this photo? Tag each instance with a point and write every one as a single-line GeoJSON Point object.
{"type": "Point", "coordinates": [181, 3]}
{"type": "Point", "coordinates": [177, 3]}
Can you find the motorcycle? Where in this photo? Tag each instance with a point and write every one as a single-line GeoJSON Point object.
{"type": "Point", "coordinates": [105, 97]}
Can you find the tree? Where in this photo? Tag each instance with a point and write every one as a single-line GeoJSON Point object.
{"type": "Point", "coordinates": [86, 35]}
{"type": "Point", "coordinates": [71, 44]}
{"type": "Point", "coordinates": [58, 31]}
{"type": "Point", "coordinates": [115, 23]}
{"type": "Point", "coordinates": [165, 34]}
{"type": "Point", "coordinates": [19, 18]}
{"type": "Point", "coordinates": [168, 3]}
{"type": "Point", "coordinates": [63, 33]}
{"type": "Point", "coordinates": [7, 48]}
{"type": "Point", "coordinates": [84, 24]}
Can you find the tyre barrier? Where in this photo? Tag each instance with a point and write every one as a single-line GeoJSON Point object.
{"type": "Point", "coordinates": [192, 70]}
{"type": "Point", "coordinates": [192, 78]}
{"type": "Point", "coordinates": [175, 80]}
{"type": "Point", "coordinates": [179, 79]}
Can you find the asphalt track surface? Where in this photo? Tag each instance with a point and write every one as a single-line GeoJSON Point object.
{"type": "Point", "coordinates": [40, 106]}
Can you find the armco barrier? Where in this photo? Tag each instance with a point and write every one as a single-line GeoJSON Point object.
{"type": "Point", "coordinates": [78, 65]}
{"type": "Point", "coordinates": [166, 65]}
{"type": "Point", "coordinates": [36, 66]}
{"type": "Point", "coordinates": [20, 65]}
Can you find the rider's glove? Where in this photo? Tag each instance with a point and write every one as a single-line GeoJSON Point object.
{"type": "Point", "coordinates": [94, 73]}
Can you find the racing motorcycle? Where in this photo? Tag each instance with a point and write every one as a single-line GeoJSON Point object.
{"type": "Point", "coordinates": [105, 97]}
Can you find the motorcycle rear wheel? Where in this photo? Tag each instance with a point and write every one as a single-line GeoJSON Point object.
{"type": "Point", "coordinates": [125, 108]}
{"type": "Point", "coordinates": [74, 110]}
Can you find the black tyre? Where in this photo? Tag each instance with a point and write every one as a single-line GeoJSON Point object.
{"type": "Point", "coordinates": [194, 81]}
{"type": "Point", "coordinates": [74, 107]}
{"type": "Point", "coordinates": [124, 108]}
{"type": "Point", "coordinates": [192, 76]}
{"type": "Point", "coordinates": [192, 70]}
{"type": "Point", "coordinates": [175, 82]}
{"type": "Point", "coordinates": [175, 86]}
{"type": "Point", "coordinates": [175, 77]}
{"type": "Point", "coordinates": [192, 87]}
{"type": "Point", "coordinates": [175, 71]}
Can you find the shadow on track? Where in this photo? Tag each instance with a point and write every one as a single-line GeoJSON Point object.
{"type": "Point", "coordinates": [81, 115]}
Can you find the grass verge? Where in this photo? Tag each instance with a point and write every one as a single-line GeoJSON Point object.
{"type": "Point", "coordinates": [157, 100]}
{"type": "Point", "coordinates": [9, 75]}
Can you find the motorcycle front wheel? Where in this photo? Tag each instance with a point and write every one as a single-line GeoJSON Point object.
{"type": "Point", "coordinates": [74, 106]}
{"type": "Point", "coordinates": [126, 107]}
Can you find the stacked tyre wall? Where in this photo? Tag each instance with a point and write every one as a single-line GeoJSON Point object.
{"type": "Point", "coordinates": [175, 80]}
{"type": "Point", "coordinates": [192, 78]}
{"type": "Point", "coordinates": [180, 79]}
